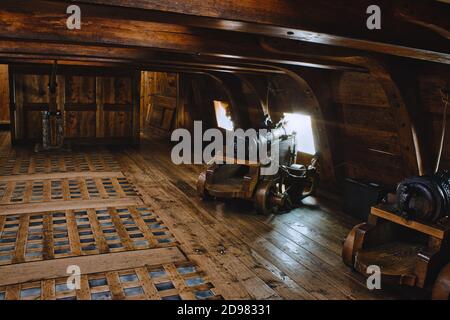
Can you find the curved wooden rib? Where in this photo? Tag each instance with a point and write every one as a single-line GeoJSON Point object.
{"type": "Point", "coordinates": [319, 127]}
{"type": "Point", "coordinates": [258, 85]}
{"type": "Point", "coordinates": [429, 25]}
{"type": "Point", "coordinates": [409, 127]}
{"type": "Point", "coordinates": [411, 137]}
{"type": "Point", "coordinates": [233, 89]}
{"type": "Point", "coordinates": [348, 248]}
{"type": "Point", "coordinates": [441, 288]}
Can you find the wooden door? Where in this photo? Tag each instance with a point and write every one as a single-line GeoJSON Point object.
{"type": "Point", "coordinates": [99, 105]}
{"type": "Point", "coordinates": [4, 95]}
{"type": "Point", "coordinates": [35, 99]}
{"type": "Point", "coordinates": [117, 107]}
{"type": "Point", "coordinates": [80, 106]}
{"type": "Point", "coordinates": [164, 100]}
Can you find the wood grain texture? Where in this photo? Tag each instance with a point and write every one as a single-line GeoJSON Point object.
{"type": "Point", "coordinates": [94, 105]}
{"type": "Point", "coordinates": [43, 270]}
{"type": "Point", "coordinates": [296, 255]}
{"type": "Point", "coordinates": [4, 95]}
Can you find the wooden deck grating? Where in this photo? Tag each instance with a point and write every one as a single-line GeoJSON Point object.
{"type": "Point", "coordinates": [37, 188]}
{"type": "Point", "coordinates": [59, 234]}
{"type": "Point", "coordinates": [58, 209]}
{"type": "Point", "coordinates": [24, 162]}
{"type": "Point", "coordinates": [181, 281]}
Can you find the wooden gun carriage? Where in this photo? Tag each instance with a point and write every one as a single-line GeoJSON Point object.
{"type": "Point", "coordinates": [244, 180]}
{"type": "Point", "coordinates": [408, 252]}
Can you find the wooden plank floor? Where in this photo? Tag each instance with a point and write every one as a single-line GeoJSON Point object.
{"type": "Point", "coordinates": [63, 209]}
{"type": "Point", "coordinates": [247, 256]}
{"type": "Point", "coordinates": [238, 253]}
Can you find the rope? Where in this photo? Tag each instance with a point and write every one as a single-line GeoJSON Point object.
{"type": "Point", "coordinates": [444, 97]}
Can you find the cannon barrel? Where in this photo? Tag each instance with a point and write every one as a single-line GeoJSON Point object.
{"type": "Point", "coordinates": [425, 198]}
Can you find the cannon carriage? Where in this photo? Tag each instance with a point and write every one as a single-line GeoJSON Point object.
{"type": "Point", "coordinates": [282, 190]}
{"type": "Point", "coordinates": [407, 236]}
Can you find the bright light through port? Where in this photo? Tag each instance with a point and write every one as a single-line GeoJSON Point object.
{"type": "Point", "coordinates": [222, 115]}
{"type": "Point", "coordinates": [301, 124]}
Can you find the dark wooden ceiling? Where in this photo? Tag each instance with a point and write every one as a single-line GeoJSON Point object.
{"type": "Point", "coordinates": [245, 36]}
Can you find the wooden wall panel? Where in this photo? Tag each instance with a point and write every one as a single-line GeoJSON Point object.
{"type": "Point", "coordinates": [118, 124]}
{"type": "Point", "coordinates": [35, 97]}
{"type": "Point", "coordinates": [80, 106]}
{"type": "Point", "coordinates": [4, 95]}
{"type": "Point", "coordinates": [35, 89]}
{"type": "Point", "coordinates": [117, 106]}
{"type": "Point", "coordinates": [368, 132]}
{"type": "Point", "coordinates": [80, 124]}
{"type": "Point", "coordinates": [387, 141]}
{"type": "Point", "coordinates": [97, 103]}
{"type": "Point", "coordinates": [368, 117]}
{"type": "Point", "coordinates": [80, 90]}
{"type": "Point", "coordinates": [117, 90]}
{"type": "Point", "coordinates": [171, 101]}
{"type": "Point", "coordinates": [360, 89]}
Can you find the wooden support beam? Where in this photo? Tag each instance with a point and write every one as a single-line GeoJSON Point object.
{"type": "Point", "coordinates": [409, 29]}
{"type": "Point", "coordinates": [320, 82]}
{"type": "Point", "coordinates": [405, 78]}
{"type": "Point", "coordinates": [202, 99]}
{"type": "Point", "coordinates": [411, 143]}
{"type": "Point", "coordinates": [239, 107]}
{"type": "Point", "coordinates": [52, 269]}
{"type": "Point", "coordinates": [38, 52]}
{"type": "Point", "coordinates": [317, 111]}
{"type": "Point", "coordinates": [409, 119]}
{"type": "Point", "coordinates": [108, 32]}
{"type": "Point", "coordinates": [259, 86]}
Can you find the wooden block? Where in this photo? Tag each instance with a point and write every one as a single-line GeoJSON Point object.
{"type": "Point", "coordinates": [435, 231]}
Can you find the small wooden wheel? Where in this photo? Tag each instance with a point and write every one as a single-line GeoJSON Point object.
{"type": "Point", "coordinates": [201, 190]}
{"type": "Point", "coordinates": [264, 193]}
{"type": "Point", "coordinates": [441, 288]}
{"type": "Point", "coordinates": [348, 254]}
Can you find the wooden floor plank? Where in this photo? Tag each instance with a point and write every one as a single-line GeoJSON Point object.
{"type": "Point", "coordinates": [197, 238]}
{"type": "Point", "coordinates": [67, 205]}
{"type": "Point", "coordinates": [51, 269]}
{"type": "Point", "coordinates": [330, 274]}
{"type": "Point", "coordinates": [303, 246]}
{"type": "Point", "coordinates": [61, 175]}
{"type": "Point", "coordinates": [246, 256]}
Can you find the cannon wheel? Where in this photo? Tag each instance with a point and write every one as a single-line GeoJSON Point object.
{"type": "Point", "coordinates": [441, 288]}
{"type": "Point", "coordinates": [264, 192]}
{"type": "Point", "coordinates": [201, 190]}
{"type": "Point", "coordinates": [313, 183]}
{"type": "Point", "coordinates": [348, 254]}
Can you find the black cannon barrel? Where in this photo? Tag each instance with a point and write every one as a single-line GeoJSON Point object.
{"type": "Point", "coordinates": [425, 198]}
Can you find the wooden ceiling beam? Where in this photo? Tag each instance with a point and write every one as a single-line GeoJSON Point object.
{"type": "Point", "coordinates": [45, 22]}
{"type": "Point", "coordinates": [139, 58]}
{"type": "Point", "coordinates": [169, 66]}
{"type": "Point", "coordinates": [413, 29]}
